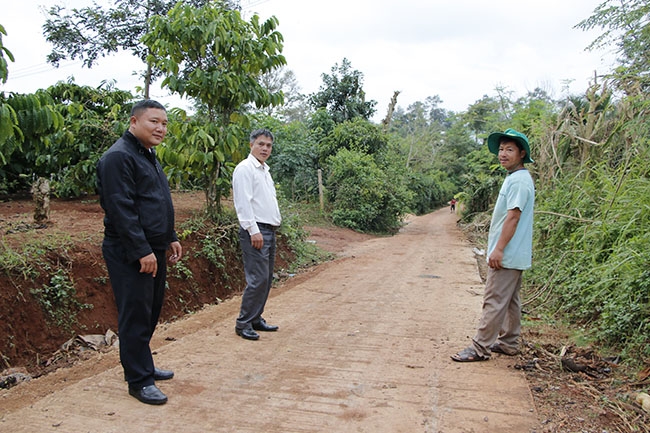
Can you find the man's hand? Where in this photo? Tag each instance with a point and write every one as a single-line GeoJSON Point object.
{"type": "Point", "coordinates": [496, 259]}
{"type": "Point", "coordinates": [257, 240]}
{"type": "Point", "coordinates": [177, 252]}
{"type": "Point", "coordinates": [149, 265]}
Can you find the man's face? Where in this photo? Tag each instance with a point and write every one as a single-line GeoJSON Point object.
{"type": "Point", "coordinates": [510, 156]}
{"type": "Point", "coordinates": [150, 126]}
{"type": "Point", "coordinates": [261, 148]}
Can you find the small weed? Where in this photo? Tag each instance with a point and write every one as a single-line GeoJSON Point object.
{"type": "Point", "coordinates": [184, 234]}
{"type": "Point", "coordinates": [58, 300]}
{"type": "Point", "coordinates": [103, 280]}
{"type": "Point", "coordinates": [213, 252]}
{"type": "Point", "coordinates": [293, 221]}
{"type": "Point", "coordinates": [181, 271]}
{"type": "Point", "coordinates": [215, 237]}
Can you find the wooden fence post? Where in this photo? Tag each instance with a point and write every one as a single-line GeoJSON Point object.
{"type": "Point", "coordinates": [320, 189]}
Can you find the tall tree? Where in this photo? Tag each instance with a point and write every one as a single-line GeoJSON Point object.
{"type": "Point", "coordinates": [295, 106]}
{"type": "Point", "coordinates": [342, 94]}
{"type": "Point", "coordinates": [484, 116]}
{"type": "Point", "coordinates": [210, 54]}
{"type": "Point", "coordinates": [95, 31]}
{"type": "Point", "coordinates": [420, 136]}
{"type": "Point", "coordinates": [358, 135]}
{"type": "Point", "coordinates": [625, 24]}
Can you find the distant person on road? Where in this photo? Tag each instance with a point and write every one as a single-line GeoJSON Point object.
{"type": "Point", "coordinates": [452, 205]}
{"type": "Point", "coordinates": [510, 244]}
{"type": "Point", "coordinates": [259, 218]}
{"type": "Point", "coordinates": [138, 231]}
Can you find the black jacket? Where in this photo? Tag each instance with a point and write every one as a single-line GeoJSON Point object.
{"type": "Point", "coordinates": [134, 193]}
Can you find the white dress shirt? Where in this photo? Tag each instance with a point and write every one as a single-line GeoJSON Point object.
{"type": "Point", "coordinates": [254, 195]}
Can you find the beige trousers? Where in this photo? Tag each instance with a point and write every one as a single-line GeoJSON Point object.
{"type": "Point", "coordinates": [501, 314]}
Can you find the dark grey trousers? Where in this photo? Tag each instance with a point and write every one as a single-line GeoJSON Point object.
{"type": "Point", "coordinates": [258, 269]}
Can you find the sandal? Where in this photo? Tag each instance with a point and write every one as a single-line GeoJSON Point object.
{"type": "Point", "coordinates": [496, 348]}
{"type": "Point", "coordinates": [468, 355]}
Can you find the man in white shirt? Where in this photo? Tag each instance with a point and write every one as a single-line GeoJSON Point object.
{"type": "Point", "coordinates": [259, 217]}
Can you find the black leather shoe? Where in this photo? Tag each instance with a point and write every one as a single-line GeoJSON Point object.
{"type": "Point", "coordinates": [263, 326]}
{"type": "Point", "coordinates": [148, 394]}
{"type": "Point", "coordinates": [247, 333]}
{"type": "Point", "coordinates": [159, 374]}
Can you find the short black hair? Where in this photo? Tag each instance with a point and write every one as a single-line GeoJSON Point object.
{"type": "Point", "coordinates": [265, 132]}
{"type": "Point", "coordinates": [511, 140]}
{"type": "Point", "coordinates": [140, 106]}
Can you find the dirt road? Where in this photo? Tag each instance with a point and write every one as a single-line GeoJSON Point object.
{"type": "Point", "coordinates": [363, 346]}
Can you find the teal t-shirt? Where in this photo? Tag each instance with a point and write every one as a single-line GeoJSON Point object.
{"type": "Point", "coordinates": [517, 191]}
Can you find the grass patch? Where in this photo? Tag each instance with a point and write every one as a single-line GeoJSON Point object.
{"type": "Point", "coordinates": [29, 258]}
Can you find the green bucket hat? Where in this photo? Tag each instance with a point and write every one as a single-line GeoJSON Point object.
{"type": "Point", "coordinates": [495, 137]}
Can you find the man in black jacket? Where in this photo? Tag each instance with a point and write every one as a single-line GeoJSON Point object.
{"type": "Point", "coordinates": [138, 231]}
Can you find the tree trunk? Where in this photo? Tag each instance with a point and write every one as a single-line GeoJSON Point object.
{"type": "Point", "coordinates": [147, 81]}
{"type": "Point", "coordinates": [391, 108]}
{"type": "Point", "coordinates": [41, 196]}
{"type": "Point", "coordinates": [213, 194]}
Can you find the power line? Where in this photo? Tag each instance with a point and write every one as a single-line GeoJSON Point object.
{"type": "Point", "coordinates": [41, 68]}
{"type": "Point", "coordinates": [253, 3]}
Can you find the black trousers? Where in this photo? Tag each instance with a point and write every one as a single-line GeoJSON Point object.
{"type": "Point", "coordinates": [139, 299]}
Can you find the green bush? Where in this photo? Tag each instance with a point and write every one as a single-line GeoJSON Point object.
{"type": "Point", "coordinates": [591, 255]}
{"type": "Point", "coordinates": [363, 196]}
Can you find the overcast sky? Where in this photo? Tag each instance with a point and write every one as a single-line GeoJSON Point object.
{"type": "Point", "coordinates": [459, 50]}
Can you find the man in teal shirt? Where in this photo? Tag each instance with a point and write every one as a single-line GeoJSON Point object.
{"type": "Point", "coordinates": [510, 245]}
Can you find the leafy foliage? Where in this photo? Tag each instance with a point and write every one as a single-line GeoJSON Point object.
{"type": "Point", "coordinates": [32, 118]}
{"type": "Point", "coordinates": [212, 55]}
{"type": "Point", "coordinates": [92, 32]}
{"type": "Point", "coordinates": [58, 300]}
{"type": "Point", "coordinates": [599, 265]}
{"type": "Point", "coordinates": [295, 107]}
{"type": "Point", "coordinates": [365, 197]}
{"type": "Point", "coordinates": [294, 162]}
{"type": "Point", "coordinates": [94, 117]}
{"type": "Point", "coordinates": [294, 234]}
{"type": "Point", "coordinates": [4, 70]}
{"type": "Point", "coordinates": [592, 233]}
{"type": "Point", "coordinates": [342, 94]}
{"type": "Point", "coordinates": [192, 155]}
{"type": "Point", "coordinates": [357, 135]}
{"type": "Point", "coordinates": [625, 26]}
{"type": "Point", "coordinates": [66, 128]}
